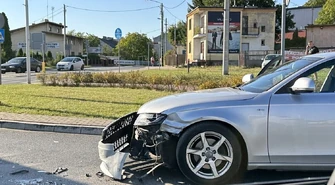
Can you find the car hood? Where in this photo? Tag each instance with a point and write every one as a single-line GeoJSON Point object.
{"type": "Point", "coordinates": [194, 100]}
{"type": "Point", "coordinates": [63, 63]}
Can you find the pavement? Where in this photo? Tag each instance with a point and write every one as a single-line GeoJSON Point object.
{"type": "Point", "coordinates": [90, 126]}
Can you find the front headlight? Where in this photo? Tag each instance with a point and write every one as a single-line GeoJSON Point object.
{"type": "Point", "coordinates": [150, 119]}
{"type": "Point", "coordinates": [11, 66]}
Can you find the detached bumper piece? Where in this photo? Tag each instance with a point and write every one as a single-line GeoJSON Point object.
{"type": "Point", "coordinates": [116, 138]}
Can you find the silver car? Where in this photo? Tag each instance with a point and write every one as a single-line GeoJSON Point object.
{"type": "Point", "coordinates": [281, 120]}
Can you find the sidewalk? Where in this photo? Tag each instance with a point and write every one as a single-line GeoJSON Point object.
{"type": "Point", "coordinates": [75, 125]}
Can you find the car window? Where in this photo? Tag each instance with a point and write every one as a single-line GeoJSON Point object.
{"type": "Point", "coordinates": [272, 77]}
{"type": "Point", "coordinates": [269, 57]}
{"type": "Point", "coordinates": [323, 76]}
{"type": "Point", "coordinates": [272, 64]}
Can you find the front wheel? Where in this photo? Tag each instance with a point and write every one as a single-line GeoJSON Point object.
{"type": "Point", "coordinates": [210, 153]}
{"type": "Point", "coordinates": [19, 70]}
{"type": "Point", "coordinates": [38, 69]}
{"type": "Point", "coordinates": [82, 67]}
{"type": "Point", "coordinates": [71, 68]}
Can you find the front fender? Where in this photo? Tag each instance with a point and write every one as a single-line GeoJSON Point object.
{"type": "Point", "coordinates": [250, 121]}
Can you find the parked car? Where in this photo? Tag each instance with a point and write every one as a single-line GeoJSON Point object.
{"type": "Point", "coordinates": [268, 57]}
{"type": "Point", "coordinates": [70, 63]}
{"type": "Point", "coordinates": [270, 65]}
{"type": "Point", "coordinates": [279, 120]}
{"type": "Point", "coordinates": [19, 65]}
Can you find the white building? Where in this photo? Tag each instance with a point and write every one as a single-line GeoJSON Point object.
{"type": "Point", "coordinates": [54, 39]}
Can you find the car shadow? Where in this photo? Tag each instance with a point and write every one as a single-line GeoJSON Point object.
{"type": "Point", "coordinates": [162, 175]}
{"type": "Point", "coordinates": [14, 174]}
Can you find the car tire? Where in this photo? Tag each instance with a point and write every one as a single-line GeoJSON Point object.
{"type": "Point", "coordinates": [3, 72]}
{"type": "Point", "coordinates": [19, 70]}
{"type": "Point", "coordinates": [71, 68]}
{"type": "Point", "coordinates": [222, 152]}
{"type": "Point", "coordinates": [38, 69]}
{"type": "Point", "coordinates": [82, 67]}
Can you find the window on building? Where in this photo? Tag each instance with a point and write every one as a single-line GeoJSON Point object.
{"type": "Point", "coordinates": [202, 22]}
{"type": "Point", "coordinates": [262, 28]}
{"type": "Point", "coordinates": [189, 47]}
{"type": "Point", "coordinates": [190, 24]}
{"type": "Point", "coordinates": [57, 30]}
{"type": "Point", "coordinates": [255, 24]}
{"type": "Point", "coordinates": [50, 28]}
{"type": "Point", "coordinates": [72, 53]}
{"type": "Point", "coordinates": [263, 42]}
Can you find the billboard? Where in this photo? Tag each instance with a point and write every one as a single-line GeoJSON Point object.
{"type": "Point", "coordinates": [215, 32]}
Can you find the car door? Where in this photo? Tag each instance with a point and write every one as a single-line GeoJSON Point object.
{"type": "Point", "coordinates": [33, 64]}
{"type": "Point", "coordinates": [77, 63]}
{"type": "Point", "coordinates": [301, 127]}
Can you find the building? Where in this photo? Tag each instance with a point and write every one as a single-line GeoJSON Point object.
{"type": "Point", "coordinates": [54, 39]}
{"type": "Point", "coordinates": [304, 16]}
{"type": "Point", "coordinates": [107, 43]}
{"type": "Point", "coordinates": [251, 28]}
{"type": "Point", "coordinates": [323, 36]}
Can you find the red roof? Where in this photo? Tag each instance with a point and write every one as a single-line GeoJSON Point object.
{"type": "Point", "coordinates": [289, 35]}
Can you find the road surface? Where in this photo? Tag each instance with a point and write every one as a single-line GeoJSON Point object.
{"type": "Point", "coordinates": [39, 152]}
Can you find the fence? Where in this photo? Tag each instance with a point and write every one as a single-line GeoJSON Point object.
{"type": "Point", "coordinates": [172, 60]}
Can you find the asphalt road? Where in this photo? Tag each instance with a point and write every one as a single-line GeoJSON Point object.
{"type": "Point", "coordinates": [39, 152]}
{"type": "Point", "coordinates": [21, 78]}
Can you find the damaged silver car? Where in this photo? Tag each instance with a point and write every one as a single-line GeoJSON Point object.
{"type": "Point", "coordinates": [281, 120]}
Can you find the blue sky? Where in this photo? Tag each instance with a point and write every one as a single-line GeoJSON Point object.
{"type": "Point", "coordinates": [101, 23]}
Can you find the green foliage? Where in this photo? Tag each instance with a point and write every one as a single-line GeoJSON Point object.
{"type": "Point", "coordinates": [138, 79]}
{"type": "Point", "coordinates": [313, 3]}
{"type": "Point", "coordinates": [133, 45]}
{"type": "Point", "coordinates": [180, 33]}
{"type": "Point", "coordinates": [327, 14]}
{"type": "Point", "coordinates": [7, 45]}
{"type": "Point", "coordinates": [106, 50]}
{"type": "Point", "coordinates": [20, 53]}
{"type": "Point", "coordinates": [289, 20]}
{"type": "Point", "coordinates": [295, 34]}
{"type": "Point", "coordinates": [49, 56]}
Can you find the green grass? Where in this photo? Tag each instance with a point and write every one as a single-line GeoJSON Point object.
{"type": "Point", "coordinates": [102, 102]}
{"type": "Point", "coordinates": [99, 102]}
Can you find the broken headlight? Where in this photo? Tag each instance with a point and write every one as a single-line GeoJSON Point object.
{"type": "Point", "coordinates": [149, 119]}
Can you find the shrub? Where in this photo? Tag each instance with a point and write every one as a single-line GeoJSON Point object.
{"type": "Point", "coordinates": [98, 78]}
{"type": "Point", "coordinates": [42, 77]}
{"type": "Point", "coordinates": [75, 78]}
{"type": "Point", "coordinates": [64, 79]}
{"type": "Point", "coordinates": [53, 79]}
{"type": "Point", "coordinates": [86, 78]}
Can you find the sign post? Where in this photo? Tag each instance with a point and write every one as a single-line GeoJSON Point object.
{"type": "Point", "coordinates": [2, 40]}
{"type": "Point", "coordinates": [118, 35]}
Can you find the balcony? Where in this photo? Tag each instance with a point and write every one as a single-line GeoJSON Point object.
{"type": "Point", "coordinates": [199, 33]}
{"type": "Point", "coordinates": [250, 31]}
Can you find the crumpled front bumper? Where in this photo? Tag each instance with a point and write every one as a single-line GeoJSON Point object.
{"type": "Point", "coordinates": [116, 138]}
{"type": "Point", "coordinates": [122, 138]}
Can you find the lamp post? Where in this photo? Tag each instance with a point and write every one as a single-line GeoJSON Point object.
{"type": "Point", "coordinates": [283, 28]}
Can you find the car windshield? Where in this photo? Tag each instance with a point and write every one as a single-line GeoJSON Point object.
{"type": "Point", "coordinates": [67, 59]}
{"type": "Point", "coordinates": [16, 60]}
{"type": "Point", "coordinates": [270, 57]}
{"type": "Point", "coordinates": [277, 74]}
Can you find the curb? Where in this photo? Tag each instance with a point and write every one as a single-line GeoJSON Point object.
{"type": "Point", "coordinates": [32, 126]}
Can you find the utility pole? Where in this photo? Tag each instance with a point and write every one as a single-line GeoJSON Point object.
{"type": "Point", "coordinates": [64, 31]}
{"type": "Point", "coordinates": [283, 30]}
{"type": "Point", "coordinates": [47, 9]}
{"type": "Point", "coordinates": [52, 13]}
{"type": "Point", "coordinates": [225, 48]}
{"type": "Point", "coordinates": [27, 43]}
{"type": "Point", "coordinates": [165, 36]}
{"type": "Point", "coordinates": [175, 42]}
{"type": "Point", "coordinates": [162, 34]}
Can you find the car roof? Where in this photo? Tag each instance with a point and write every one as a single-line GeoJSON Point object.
{"type": "Point", "coordinates": [326, 55]}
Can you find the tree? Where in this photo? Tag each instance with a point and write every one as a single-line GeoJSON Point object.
{"type": "Point", "coordinates": [180, 33]}
{"type": "Point", "coordinates": [106, 50]}
{"type": "Point", "coordinates": [49, 56]}
{"type": "Point", "coordinates": [295, 34]}
{"type": "Point", "coordinates": [313, 3]}
{"type": "Point", "coordinates": [93, 40]}
{"type": "Point", "coordinates": [289, 20]}
{"type": "Point", "coordinates": [327, 14]}
{"type": "Point", "coordinates": [7, 45]}
{"type": "Point", "coordinates": [20, 53]}
{"type": "Point", "coordinates": [133, 45]}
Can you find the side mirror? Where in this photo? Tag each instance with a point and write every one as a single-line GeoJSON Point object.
{"type": "Point", "coordinates": [303, 85]}
{"type": "Point", "coordinates": [247, 78]}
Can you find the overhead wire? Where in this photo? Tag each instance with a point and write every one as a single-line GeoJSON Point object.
{"type": "Point", "coordinates": [60, 9]}
{"type": "Point", "coordinates": [176, 5]}
{"type": "Point", "coordinates": [172, 14]}
{"type": "Point", "coordinates": [113, 11]}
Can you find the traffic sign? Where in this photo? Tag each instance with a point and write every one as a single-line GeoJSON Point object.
{"type": "Point", "coordinates": [118, 33]}
{"type": "Point", "coordinates": [2, 35]}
